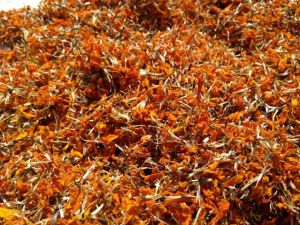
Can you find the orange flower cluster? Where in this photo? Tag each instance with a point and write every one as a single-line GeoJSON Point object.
{"type": "Point", "coordinates": [150, 112]}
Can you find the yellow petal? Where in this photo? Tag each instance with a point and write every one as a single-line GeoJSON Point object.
{"type": "Point", "coordinates": [294, 102]}
{"type": "Point", "coordinates": [76, 154]}
{"type": "Point", "coordinates": [26, 114]}
{"type": "Point", "coordinates": [66, 147]}
{"type": "Point", "coordinates": [7, 213]}
{"type": "Point", "coordinates": [21, 136]}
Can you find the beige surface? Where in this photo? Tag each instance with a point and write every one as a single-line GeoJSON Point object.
{"type": "Point", "coordinates": [11, 4]}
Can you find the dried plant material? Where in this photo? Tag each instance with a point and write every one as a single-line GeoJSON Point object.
{"type": "Point", "coordinates": [109, 138]}
{"type": "Point", "coordinates": [11, 216]}
{"type": "Point", "coordinates": [150, 112]}
{"type": "Point", "coordinates": [7, 213]}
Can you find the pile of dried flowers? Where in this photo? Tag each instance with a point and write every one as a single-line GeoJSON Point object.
{"type": "Point", "coordinates": [150, 112]}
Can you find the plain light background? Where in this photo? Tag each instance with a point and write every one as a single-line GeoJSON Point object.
{"type": "Point", "coordinates": [16, 4]}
